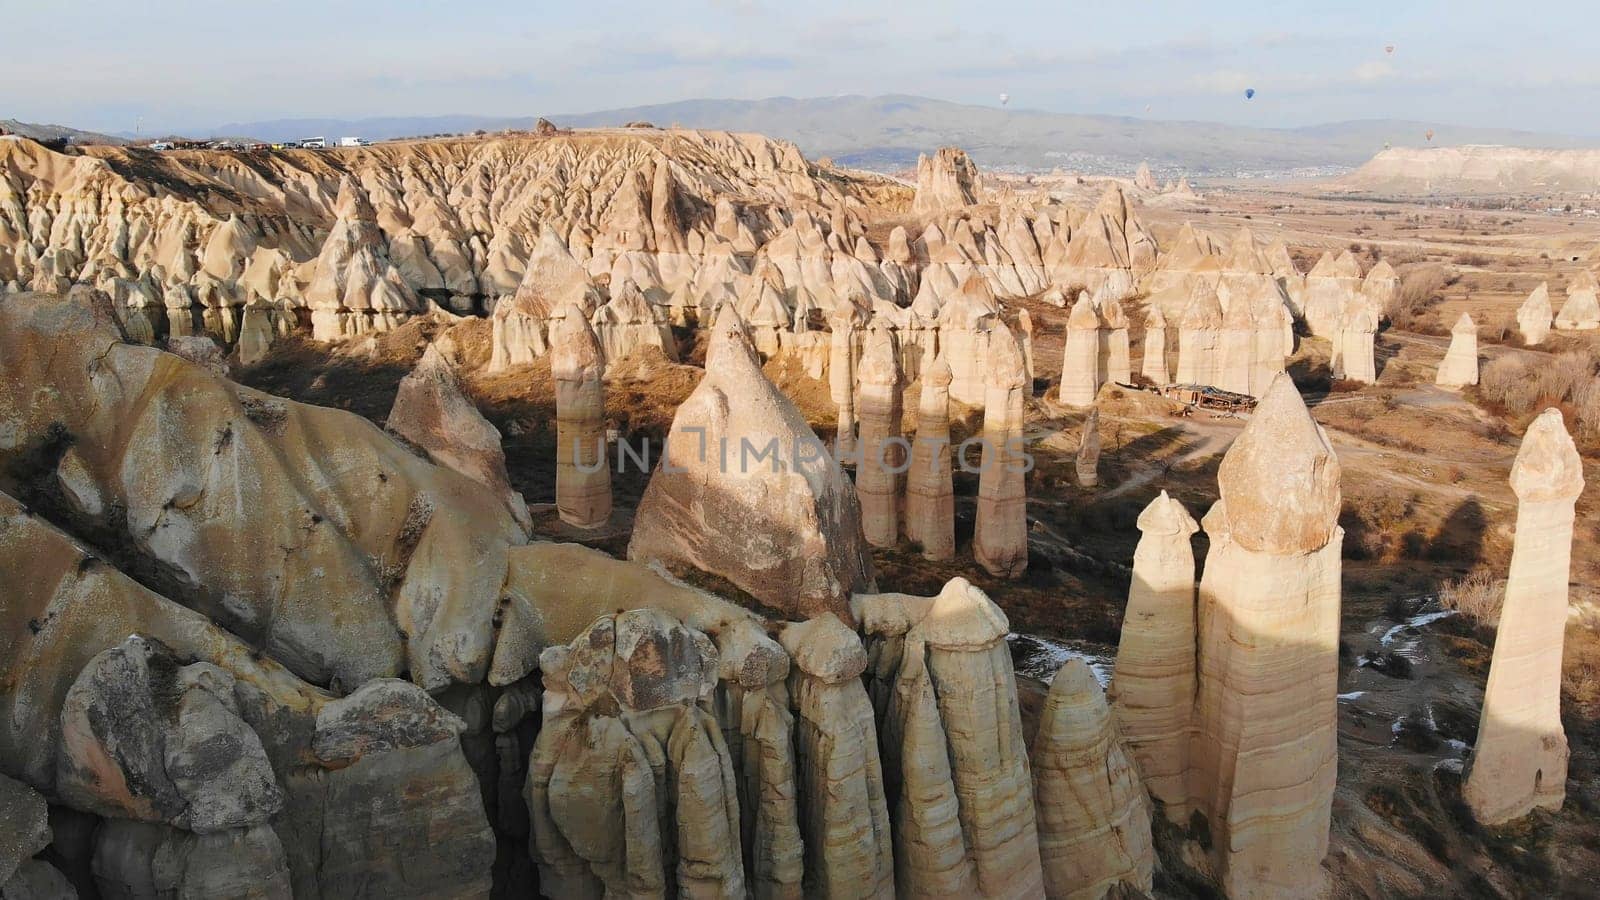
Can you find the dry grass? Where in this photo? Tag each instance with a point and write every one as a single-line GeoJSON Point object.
{"type": "Point", "coordinates": [1517, 387]}
{"type": "Point", "coordinates": [1477, 596]}
{"type": "Point", "coordinates": [1420, 289]}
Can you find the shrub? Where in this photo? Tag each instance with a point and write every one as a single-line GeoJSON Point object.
{"type": "Point", "coordinates": [1420, 288]}
{"type": "Point", "coordinates": [1476, 597]}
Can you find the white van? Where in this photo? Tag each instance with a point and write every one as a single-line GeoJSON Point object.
{"type": "Point", "coordinates": [316, 143]}
{"type": "Point", "coordinates": [354, 142]}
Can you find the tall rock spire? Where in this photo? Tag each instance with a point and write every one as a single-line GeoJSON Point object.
{"type": "Point", "coordinates": [1520, 758]}
{"type": "Point", "coordinates": [1000, 540]}
{"type": "Point", "coordinates": [1154, 682]}
{"type": "Point", "coordinates": [930, 489]}
{"type": "Point", "coordinates": [1262, 760]}
{"type": "Point", "coordinates": [583, 477]}
{"type": "Point", "coordinates": [882, 448]}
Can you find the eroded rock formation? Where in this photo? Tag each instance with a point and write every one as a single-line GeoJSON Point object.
{"type": "Point", "coordinates": [1535, 315]}
{"type": "Point", "coordinates": [714, 502]}
{"type": "Point", "coordinates": [1520, 759]}
{"type": "Point", "coordinates": [930, 490]}
{"type": "Point", "coordinates": [1000, 539]}
{"type": "Point", "coordinates": [1460, 365]}
{"type": "Point", "coordinates": [1262, 759]}
{"type": "Point", "coordinates": [583, 473]}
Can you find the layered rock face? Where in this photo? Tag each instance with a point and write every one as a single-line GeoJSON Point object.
{"type": "Point", "coordinates": [797, 548]}
{"type": "Point", "coordinates": [583, 474]}
{"type": "Point", "coordinates": [1153, 686]}
{"type": "Point", "coordinates": [1262, 760]}
{"type": "Point", "coordinates": [1460, 365]}
{"type": "Point", "coordinates": [432, 412]}
{"type": "Point", "coordinates": [955, 764]}
{"type": "Point", "coordinates": [945, 180]}
{"type": "Point", "coordinates": [1520, 759]}
{"type": "Point", "coordinates": [930, 489]}
{"type": "Point", "coordinates": [1000, 539]}
{"type": "Point", "coordinates": [883, 450]}
{"type": "Point", "coordinates": [1094, 816]}
{"type": "Point", "coordinates": [1535, 315]}
{"type": "Point", "coordinates": [1333, 288]}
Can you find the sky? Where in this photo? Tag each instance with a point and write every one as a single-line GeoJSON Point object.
{"type": "Point", "coordinates": [121, 65]}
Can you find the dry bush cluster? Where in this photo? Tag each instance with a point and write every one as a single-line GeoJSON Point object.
{"type": "Point", "coordinates": [1420, 288]}
{"type": "Point", "coordinates": [1477, 596]}
{"type": "Point", "coordinates": [1519, 386]}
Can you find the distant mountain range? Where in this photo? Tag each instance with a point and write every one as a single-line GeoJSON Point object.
{"type": "Point", "coordinates": [887, 133]}
{"type": "Point", "coordinates": [58, 132]}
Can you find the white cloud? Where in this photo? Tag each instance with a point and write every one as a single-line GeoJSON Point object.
{"type": "Point", "coordinates": [1373, 70]}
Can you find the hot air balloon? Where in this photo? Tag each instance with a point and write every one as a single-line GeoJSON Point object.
{"type": "Point", "coordinates": [1389, 49]}
{"type": "Point", "coordinates": [1147, 107]}
{"type": "Point", "coordinates": [1004, 98]}
{"type": "Point", "coordinates": [1428, 134]}
{"type": "Point", "coordinates": [1249, 93]}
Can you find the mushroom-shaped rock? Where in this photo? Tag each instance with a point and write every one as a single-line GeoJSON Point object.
{"type": "Point", "coordinates": [1262, 758]}
{"type": "Point", "coordinates": [1155, 346]}
{"type": "Point", "coordinates": [1520, 759]}
{"type": "Point", "coordinates": [1094, 818]}
{"type": "Point", "coordinates": [1080, 364]}
{"type": "Point", "coordinates": [745, 491]}
{"type": "Point", "coordinates": [1153, 685]}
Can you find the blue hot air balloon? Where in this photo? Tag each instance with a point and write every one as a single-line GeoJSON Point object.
{"type": "Point", "coordinates": [1249, 93]}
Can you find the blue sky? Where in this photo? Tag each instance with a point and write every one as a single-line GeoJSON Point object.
{"type": "Point", "coordinates": [193, 64]}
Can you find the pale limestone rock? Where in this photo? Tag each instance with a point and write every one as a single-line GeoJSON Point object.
{"type": "Point", "coordinates": [753, 497]}
{"type": "Point", "coordinates": [583, 473]}
{"type": "Point", "coordinates": [966, 323]}
{"type": "Point", "coordinates": [628, 324]}
{"type": "Point", "coordinates": [1087, 462]}
{"type": "Point", "coordinates": [1155, 346]}
{"type": "Point", "coordinates": [1153, 685]}
{"type": "Point", "coordinates": [1080, 363]}
{"type": "Point", "coordinates": [946, 180]}
{"type": "Point", "coordinates": [844, 352]}
{"type": "Point", "coordinates": [930, 491]}
{"type": "Point", "coordinates": [432, 412]}
{"type": "Point", "coordinates": [1236, 348]}
{"type": "Point", "coordinates": [1094, 817]}
{"type": "Point", "coordinates": [844, 815]}
{"type": "Point", "coordinates": [883, 451]}
{"type": "Point", "coordinates": [1460, 365]}
{"type": "Point", "coordinates": [954, 754]}
{"type": "Point", "coordinates": [1142, 178]}
{"type": "Point", "coordinates": [1357, 354]}
{"type": "Point", "coordinates": [1114, 356]}
{"type": "Point", "coordinates": [1520, 759]}
{"type": "Point", "coordinates": [1262, 759]}
{"type": "Point", "coordinates": [1025, 332]}
{"type": "Point", "coordinates": [1535, 315]}
{"type": "Point", "coordinates": [1199, 337]}
{"type": "Point", "coordinates": [1332, 288]}
{"type": "Point", "coordinates": [222, 471]}
{"type": "Point", "coordinates": [354, 287]}
{"type": "Point", "coordinates": [1381, 288]}
{"type": "Point", "coordinates": [1000, 538]}
{"type": "Point", "coordinates": [624, 749]}
{"type": "Point", "coordinates": [255, 333]}
{"type": "Point", "coordinates": [1581, 312]}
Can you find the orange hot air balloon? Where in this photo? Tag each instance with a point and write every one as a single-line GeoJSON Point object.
{"type": "Point", "coordinates": [1389, 49]}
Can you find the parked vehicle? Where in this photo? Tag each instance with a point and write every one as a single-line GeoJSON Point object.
{"type": "Point", "coordinates": [316, 143]}
{"type": "Point", "coordinates": [354, 142]}
{"type": "Point", "coordinates": [160, 145]}
{"type": "Point", "coordinates": [289, 145]}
